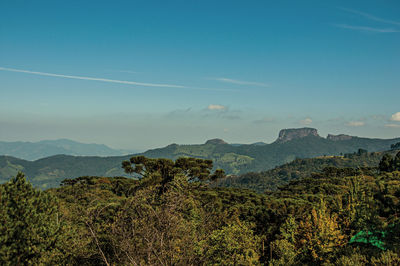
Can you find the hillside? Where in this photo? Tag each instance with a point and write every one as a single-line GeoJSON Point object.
{"type": "Point", "coordinates": [46, 148]}
{"type": "Point", "coordinates": [49, 172]}
{"type": "Point", "coordinates": [234, 159]}
{"type": "Point", "coordinates": [271, 180]}
{"type": "Point", "coordinates": [291, 144]}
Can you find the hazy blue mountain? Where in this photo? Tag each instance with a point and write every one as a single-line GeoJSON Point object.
{"type": "Point", "coordinates": [46, 148]}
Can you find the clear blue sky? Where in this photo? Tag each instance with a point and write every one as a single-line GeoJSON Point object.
{"type": "Point", "coordinates": [143, 74]}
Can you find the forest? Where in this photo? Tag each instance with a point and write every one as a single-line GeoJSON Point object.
{"type": "Point", "coordinates": [170, 213]}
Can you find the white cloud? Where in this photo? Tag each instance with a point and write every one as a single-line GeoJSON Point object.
{"type": "Point", "coordinates": [369, 29]}
{"type": "Point", "coordinates": [216, 107]}
{"type": "Point", "coordinates": [241, 82]}
{"type": "Point", "coordinates": [355, 124]}
{"type": "Point", "coordinates": [395, 117]}
{"type": "Point", "coordinates": [393, 125]}
{"type": "Point", "coordinates": [306, 121]}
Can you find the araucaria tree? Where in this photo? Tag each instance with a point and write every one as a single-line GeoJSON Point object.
{"type": "Point", "coordinates": [192, 168]}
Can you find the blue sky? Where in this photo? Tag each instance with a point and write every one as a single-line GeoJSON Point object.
{"type": "Point", "coordinates": [143, 74]}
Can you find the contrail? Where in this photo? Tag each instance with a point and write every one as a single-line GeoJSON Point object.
{"type": "Point", "coordinates": [111, 80]}
{"type": "Point", "coordinates": [91, 78]}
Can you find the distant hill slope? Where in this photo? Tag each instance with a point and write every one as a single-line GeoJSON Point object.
{"type": "Point", "coordinates": [46, 148]}
{"type": "Point", "coordinates": [234, 159]}
{"type": "Point", "coordinates": [281, 175]}
{"type": "Point", "coordinates": [50, 171]}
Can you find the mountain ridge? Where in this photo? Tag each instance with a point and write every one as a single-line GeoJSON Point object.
{"type": "Point", "coordinates": [35, 150]}
{"type": "Point", "coordinates": [234, 159]}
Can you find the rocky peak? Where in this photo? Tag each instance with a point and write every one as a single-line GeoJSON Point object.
{"type": "Point", "coordinates": [289, 134]}
{"type": "Point", "coordinates": [216, 141]}
{"type": "Point", "coordinates": [338, 137]}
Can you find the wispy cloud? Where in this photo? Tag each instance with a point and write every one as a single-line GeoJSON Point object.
{"type": "Point", "coordinates": [143, 84]}
{"type": "Point", "coordinates": [306, 121]}
{"type": "Point", "coordinates": [232, 117]}
{"type": "Point", "coordinates": [377, 117]}
{"type": "Point", "coordinates": [371, 17]}
{"type": "Point", "coordinates": [366, 29]}
{"type": "Point", "coordinates": [221, 111]}
{"type": "Point", "coordinates": [393, 125]}
{"type": "Point", "coordinates": [240, 82]}
{"type": "Point", "coordinates": [179, 112]}
{"type": "Point", "coordinates": [264, 120]}
{"type": "Point", "coordinates": [355, 124]}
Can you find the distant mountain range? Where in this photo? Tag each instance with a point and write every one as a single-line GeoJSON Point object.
{"type": "Point", "coordinates": [234, 159]}
{"type": "Point", "coordinates": [46, 148]}
{"type": "Point", "coordinates": [291, 144]}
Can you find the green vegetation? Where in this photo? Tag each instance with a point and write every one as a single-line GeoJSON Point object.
{"type": "Point", "coordinates": [234, 159]}
{"type": "Point", "coordinates": [30, 229]}
{"type": "Point", "coordinates": [395, 146]}
{"type": "Point", "coordinates": [355, 163]}
{"type": "Point", "coordinates": [170, 215]}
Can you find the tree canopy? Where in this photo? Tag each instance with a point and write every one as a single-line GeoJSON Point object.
{"type": "Point", "coordinates": [193, 169]}
{"type": "Point", "coordinates": [30, 226]}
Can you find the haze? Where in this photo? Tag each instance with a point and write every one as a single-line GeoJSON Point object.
{"type": "Point", "coordinates": [143, 74]}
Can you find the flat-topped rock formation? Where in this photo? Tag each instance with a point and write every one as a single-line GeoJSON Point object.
{"type": "Point", "coordinates": [289, 134]}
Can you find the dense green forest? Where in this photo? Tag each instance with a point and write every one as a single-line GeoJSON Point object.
{"type": "Point", "coordinates": [270, 180]}
{"type": "Point", "coordinates": [170, 215]}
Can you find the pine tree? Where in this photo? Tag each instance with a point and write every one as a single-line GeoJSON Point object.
{"type": "Point", "coordinates": [396, 162]}
{"type": "Point", "coordinates": [386, 164]}
{"type": "Point", "coordinates": [29, 226]}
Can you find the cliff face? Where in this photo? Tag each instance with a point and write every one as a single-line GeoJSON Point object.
{"type": "Point", "coordinates": [338, 137]}
{"type": "Point", "coordinates": [286, 135]}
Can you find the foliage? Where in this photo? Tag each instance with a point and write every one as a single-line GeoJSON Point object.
{"type": "Point", "coordinates": [320, 234]}
{"type": "Point", "coordinates": [386, 164]}
{"type": "Point", "coordinates": [30, 228]}
{"type": "Point", "coordinates": [271, 180]}
{"type": "Point", "coordinates": [389, 164]}
{"type": "Point", "coordinates": [395, 146]}
{"type": "Point", "coordinates": [193, 169]}
{"type": "Point", "coordinates": [172, 215]}
{"type": "Point", "coordinates": [233, 244]}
